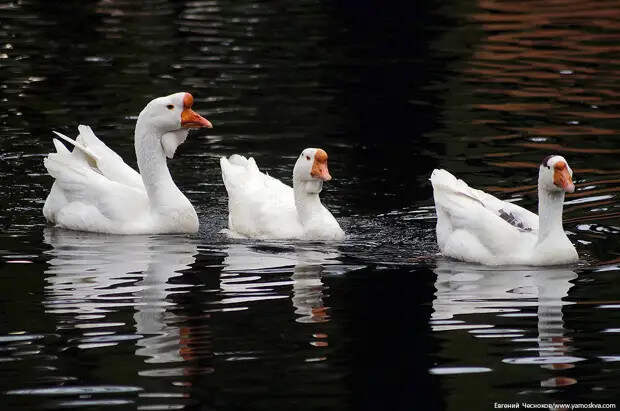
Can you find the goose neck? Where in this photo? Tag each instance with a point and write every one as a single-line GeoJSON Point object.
{"type": "Point", "coordinates": [550, 207]}
{"type": "Point", "coordinates": [153, 167]}
{"type": "Point", "coordinates": [307, 200]}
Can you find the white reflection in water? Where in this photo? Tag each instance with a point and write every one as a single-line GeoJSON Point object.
{"type": "Point", "coordinates": [306, 262]}
{"type": "Point", "coordinates": [308, 294]}
{"type": "Point", "coordinates": [152, 317]}
{"type": "Point", "coordinates": [466, 289]}
{"type": "Point", "coordinates": [91, 275]}
{"type": "Point", "coordinates": [249, 258]}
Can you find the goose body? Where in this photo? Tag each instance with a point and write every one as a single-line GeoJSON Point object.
{"type": "Point", "coordinates": [263, 207]}
{"type": "Point", "coordinates": [95, 190]}
{"type": "Point", "coordinates": [477, 227]}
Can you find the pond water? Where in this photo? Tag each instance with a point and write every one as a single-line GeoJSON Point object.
{"type": "Point", "coordinates": [485, 89]}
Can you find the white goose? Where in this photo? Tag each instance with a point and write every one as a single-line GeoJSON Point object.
{"type": "Point", "coordinates": [475, 226]}
{"type": "Point", "coordinates": [96, 191]}
{"type": "Point", "coordinates": [262, 207]}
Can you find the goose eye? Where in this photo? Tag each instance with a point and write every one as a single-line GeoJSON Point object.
{"type": "Point", "coordinates": [170, 107]}
{"type": "Point", "coordinates": [307, 157]}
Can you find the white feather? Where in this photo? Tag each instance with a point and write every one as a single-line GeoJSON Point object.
{"type": "Point", "coordinates": [261, 206]}
{"type": "Point", "coordinates": [477, 227]}
{"type": "Point", "coordinates": [95, 190]}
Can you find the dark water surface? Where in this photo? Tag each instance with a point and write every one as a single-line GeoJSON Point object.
{"type": "Point", "coordinates": [485, 89]}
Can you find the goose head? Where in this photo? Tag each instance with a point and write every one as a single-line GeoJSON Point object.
{"type": "Point", "coordinates": [170, 119]}
{"type": "Point", "coordinates": [555, 175]}
{"type": "Point", "coordinates": [311, 169]}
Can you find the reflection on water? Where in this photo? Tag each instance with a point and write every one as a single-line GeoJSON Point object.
{"type": "Point", "coordinates": [114, 292]}
{"type": "Point", "coordinates": [467, 292]}
{"type": "Point", "coordinates": [308, 264]}
{"type": "Point", "coordinates": [146, 295]}
{"type": "Point", "coordinates": [93, 275]}
{"type": "Point", "coordinates": [308, 294]}
{"type": "Point", "coordinates": [474, 289]}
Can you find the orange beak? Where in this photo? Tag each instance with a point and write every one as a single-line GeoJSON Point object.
{"type": "Point", "coordinates": [562, 178]}
{"type": "Point", "coordinates": [191, 119]}
{"type": "Point", "coordinates": [319, 167]}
